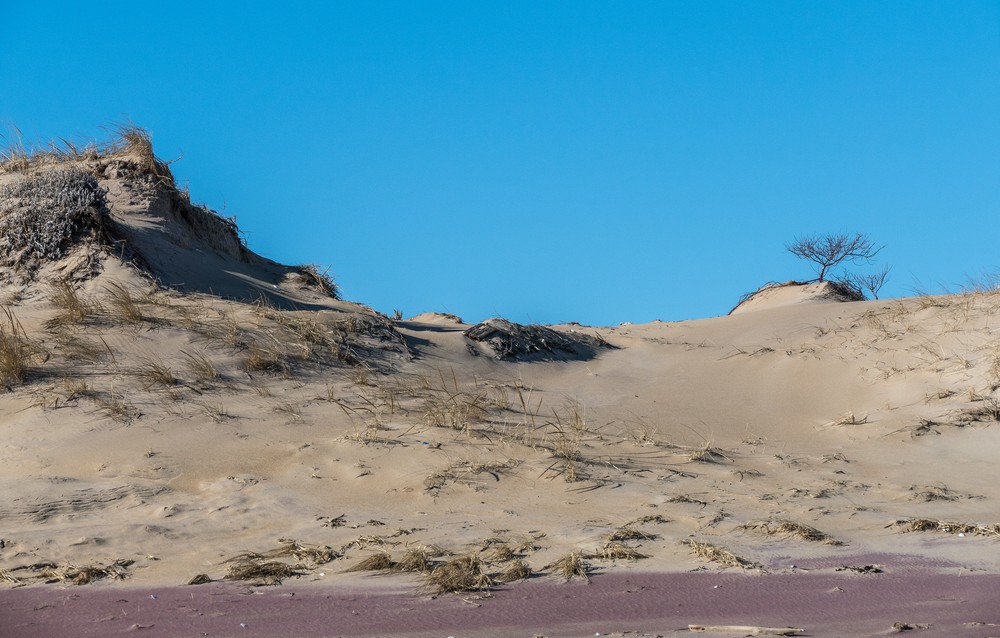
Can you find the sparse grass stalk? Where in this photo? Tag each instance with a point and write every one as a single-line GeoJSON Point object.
{"type": "Point", "coordinates": [570, 566]}
{"type": "Point", "coordinates": [16, 351]}
{"type": "Point", "coordinates": [124, 304]}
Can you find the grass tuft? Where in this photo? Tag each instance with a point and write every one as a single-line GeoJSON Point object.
{"type": "Point", "coordinates": [613, 550]}
{"type": "Point", "coordinates": [124, 304]}
{"type": "Point", "coordinates": [320, 278]}
{"type": "Point", "coordinates": [377, 562]}
{"type": "Point", "coordinates": [73, 309]}
{"type": "Point", "coordinates": [459, 574]}
{"type": "Point", "coordinates": [154, 372]}
{"type": "Point", "coordinates": [570, 566]}
{"type": "Point", "coordinates": [930, 525]}
{"type": "Point", "coordinates": [719, 555]}
{"type": "Point", "coordinates": [497, 554]}
{"type": "Point", "coordinates": [515, 570]}
{"type": "Point", "coordinates": [267, 361]}
{"type": "Point", "coordinates": [16, 351]}
{"type": "Point", "coordinates": [200, 366]}
{"type": "Point", "coordinates": [416, 559]}
{"type": "Point", "coordinates": [262, 572]}
{"type": "Point", "coordinates": [789, 528]}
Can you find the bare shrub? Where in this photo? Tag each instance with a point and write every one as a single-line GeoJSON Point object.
{"type": "Point", "coordinates": [872, 281]}
{"type": "Point", "coordinates": [41, 215]}
{"type": "Point", "coordinates": [829, 251]}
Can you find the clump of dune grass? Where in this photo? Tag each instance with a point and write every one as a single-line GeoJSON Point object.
{"type": "Point", "coordinates": [629, 533]}
{"type": "Point", "coordinates": [649, 518]}
{"type": "Point", "coordinates": [570, 566]}
{"type": "Point", "coordinates": [17, 352]}
{"type": "Point", "coordinates": [415, 559]}
{"type": "Point", "coordinates": [614, 550]}
{"type": "Point", "coordinates": [716, 554]}
{"type": "Point", "coordinates": [930, 493]}
{"type": "Point", "coordinates": [7, 577]}
{"type": "Point", "coordinates": [497, 554]}
{"type": "Point", "coordinates": [459, 574]}
{"type": "Point", "coordinates": [684, 498]}
{"type": "Point", "coordinates": [199, 579]}
{"type": "Point", "coordinates": [930, 525]}
{"type": "Point", "coordinates": [137, 143]}
{"type": "Point", "coordinates": [262, 360]}
{"type": "Point", "coordinates": [515, 570]}
{"type": "Point", "coordinates": [69, 573]}
{"type": "Point", "coordinates": [129, 146]}
{"type": "Point", "coordinates": [315, 554]}
{"type": "Point", "coordinates": [200, 366]}
{"type": "Point", "coordinates": [260, 571]}
{"type": "Point", "coordinates": [124, 305]}
{"type": "Point", "coordinates": [708, 454]}
{"type": "Point", "coordinates": [264, 569]}
{"type": "Point", "coordinates": [988, 410]}
{"type": "Point", "coordinates": [850, 418]}
{"type": "Point", "coordinates": [73, 309]}
{"type": "Point", "coordinates": [790, 528]}
{"type": "Point", "coordinates": [79, 349]}
{"type": "Point", "coordinates": [115, 405]}
{"type": "Point", "coordinates": [377, 562]}
{"type": "Point", "coordinates": [89, 573]}
{"type": "Point", "coordinates": [320, 278]}
{"type": "Point", "coordinates": [154, 372]}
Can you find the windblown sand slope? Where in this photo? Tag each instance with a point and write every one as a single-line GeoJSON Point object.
{"type": "Point", "coordinates": [189, 408]}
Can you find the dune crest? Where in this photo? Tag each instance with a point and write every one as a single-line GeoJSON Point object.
{"type": "Point", "coordinates": [790, 293]}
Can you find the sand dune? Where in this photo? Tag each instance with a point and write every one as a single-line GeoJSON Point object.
{"type": "Point", "coordinates": [177, 406]}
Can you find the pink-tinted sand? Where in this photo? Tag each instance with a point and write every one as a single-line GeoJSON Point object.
{"type": "Point", "coordinates": [823, 602]}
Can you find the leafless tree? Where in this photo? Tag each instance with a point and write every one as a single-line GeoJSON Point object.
{"type": "Point", "coordinates": [872, 282]}
{"type": "Point", "coordinates": [829, 251]}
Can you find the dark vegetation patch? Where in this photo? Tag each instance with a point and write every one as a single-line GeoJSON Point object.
{"type": "Point", "coordinates": [516, 342]}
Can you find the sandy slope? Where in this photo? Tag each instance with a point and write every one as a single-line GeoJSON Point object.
{"type": "Point", "coordinates": [326, 424]}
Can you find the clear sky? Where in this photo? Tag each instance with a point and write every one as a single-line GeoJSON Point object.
{"type": "Point", "coordinates": [547, 161]}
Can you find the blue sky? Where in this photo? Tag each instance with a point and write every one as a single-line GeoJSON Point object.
{"type": "Point", "coordinates": [547, 161]}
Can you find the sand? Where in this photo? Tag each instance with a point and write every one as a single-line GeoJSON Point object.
{"type": "Point", "coordinates": [620, 603]}
{"type": "Point", "coordinates": [208, 406]}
